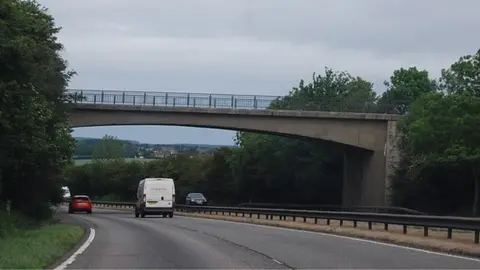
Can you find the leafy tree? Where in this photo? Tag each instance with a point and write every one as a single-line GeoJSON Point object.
{"type": "Point", "coordinates": [35, 138]}
{"type": "Point", "coordinates": [442, 130]}
{"type": "Point", "coordinates": [109, 147]}
{"type": "Point", "coordinates": [404, 87]}
{"type": "Point", "coordinates": [278, 169]}
{"type": "Point", "coordinates": [463, 77]}
{"type": "Point", "coordinates": [332, 91]}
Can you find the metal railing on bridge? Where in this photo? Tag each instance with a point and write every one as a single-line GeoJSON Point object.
{"type": "Point", "coordinates": [225, 101]}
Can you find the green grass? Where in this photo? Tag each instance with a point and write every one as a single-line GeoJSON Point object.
{"type": "Point", "coordinates": [38, 248]}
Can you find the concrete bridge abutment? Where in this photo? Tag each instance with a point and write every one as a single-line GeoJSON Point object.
{"type": "Point", "coordinates": [367, 175]}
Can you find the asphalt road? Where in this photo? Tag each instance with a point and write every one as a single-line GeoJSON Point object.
{"type": "Point", "coordinates": [124, 242]}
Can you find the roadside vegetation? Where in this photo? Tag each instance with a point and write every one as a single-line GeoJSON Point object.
{"type": "Point", "coordinates": [438, 171]}
{"type": "Point", "coordinates": [27, 245]}
{"type": "Point", "coordinates": [35, 140]}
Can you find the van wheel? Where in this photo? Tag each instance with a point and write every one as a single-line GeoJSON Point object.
{"type": "Point", "coordinates": [89, 212]}
{"type": "Point", "coordinates": [170, 215]}
{"type": "Point", "coordinates": [164, 215]}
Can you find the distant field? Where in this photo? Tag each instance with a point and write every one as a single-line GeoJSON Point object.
{"type": "Point", "coordinates": [83, 161]}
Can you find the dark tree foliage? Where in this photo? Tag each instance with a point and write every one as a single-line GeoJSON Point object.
{"type": "Point", "coordinates": [35, 141]}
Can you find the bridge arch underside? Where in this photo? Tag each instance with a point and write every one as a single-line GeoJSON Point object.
{"type": "Point", "coordinates": [360, 143]}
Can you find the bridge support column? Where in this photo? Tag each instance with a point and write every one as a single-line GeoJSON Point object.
{"type": "Point", "coordinates": [367, 175]}
{"type": "Point", "coordinates": [364, 178]}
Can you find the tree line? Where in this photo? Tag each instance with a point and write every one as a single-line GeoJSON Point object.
{"type": "Point", "coordinates": [35, 140]}
{"type": "Point", "coordinates": [439, 144]}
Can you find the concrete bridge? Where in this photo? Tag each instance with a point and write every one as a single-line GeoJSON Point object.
{"type": "Point", "coordinates": [366, 140]}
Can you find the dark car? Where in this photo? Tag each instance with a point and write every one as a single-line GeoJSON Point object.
{"type": "Point", "coordinates": [195, 199]}
{"type": "Point", "coordinates": [80, 203]}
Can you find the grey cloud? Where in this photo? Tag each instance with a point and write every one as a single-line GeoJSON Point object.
{"type": "Point", "coordinates": [382, 27]}
{"type": "Point", "coordinates": [256, 46]}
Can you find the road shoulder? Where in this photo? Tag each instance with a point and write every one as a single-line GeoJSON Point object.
{"type": "Point", "coordinates": [435, 244]}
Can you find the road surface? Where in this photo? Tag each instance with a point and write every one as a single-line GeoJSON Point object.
{"type": "Point", "coordinates": [124, 242]}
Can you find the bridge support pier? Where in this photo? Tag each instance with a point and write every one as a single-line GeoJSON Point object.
{"type": "Point", "coordinates": [364, 178]}
{"type": "Point", "coordinates": [367, 174]}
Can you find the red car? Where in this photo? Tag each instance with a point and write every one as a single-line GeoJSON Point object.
{"type": "Point", "coordinates": [80, 203]}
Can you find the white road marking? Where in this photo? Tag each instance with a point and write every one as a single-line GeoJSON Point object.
{"type": "Point", "coordinates": [345, 237]}
{"type": "Point", "coordinates": [79, 251]}
{"type": "Point", "coordinates": [277, 261]}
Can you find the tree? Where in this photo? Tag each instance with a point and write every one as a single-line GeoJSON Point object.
{"type": "Point", "coordinates": [35, 140]}
{"type": "Point", "coordinates": [109, 148]}
{"type": "Point", "coordinates": [332, 91]}
{"type": "Point", "coordinates": [404, 87]}
{"type": "Point", "coordinates": [280, 169]}
{"type": "Point", "coordinates": [442, 130]}
{"type": "Point", "coordinates": [463, 76]}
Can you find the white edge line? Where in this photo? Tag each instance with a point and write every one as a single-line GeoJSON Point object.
{"type": "Point", "coordinates": [277, 261]}
{"type": "Point", "coordinates": [346, 237]}
{"type": "Point", "coordinates": [79, 251]}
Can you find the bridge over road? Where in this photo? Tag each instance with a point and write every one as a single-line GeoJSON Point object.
{"type": "Point", "coordinates": [366, 140]}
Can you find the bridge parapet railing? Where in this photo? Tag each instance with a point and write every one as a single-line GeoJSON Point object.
{"type": "Point", "coordinates": [168, 99]}
{"type": "Point", "coordinates": [225, 101]}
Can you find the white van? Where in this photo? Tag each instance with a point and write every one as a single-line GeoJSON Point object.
{"type": "Point", "coordinates": [65, 193]}
{"type": "Point", "coordinates": [155, 196]}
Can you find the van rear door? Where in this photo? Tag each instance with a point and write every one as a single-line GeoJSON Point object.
{"type": "Point", "coordinates": [158, 194]}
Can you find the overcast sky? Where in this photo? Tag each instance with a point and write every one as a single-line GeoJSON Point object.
{"type": "Point", "coordinates": [251, 46]}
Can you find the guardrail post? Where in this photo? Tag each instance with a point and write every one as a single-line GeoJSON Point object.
{"type": "Point", "coordinates": [188, 100]}
{"type": "Point", "coordinates": [194, 101]}
{"type": "Point", "coordinates": [144, 98]}
{"type": "Point", "coordinates": [153, 100]}
{"type": "Point", "coordinates": [102, 97]}
{"type": "Point", "coordinates": [81, 96]}
{"type": "Point", "coordinates": [235, 103]}
{"type": "Point", "coordinates": [166, 99]}
{"type": "Point", "coordinates": [209, 101]}
{"type": "Point", "coordinates": [215, 103]}
{"type": "Point", "coordinates": [94, 99]}
{"type": "Point", "coordinates": [123, 98]}
{"type": "Point", "coordinates": [134, 97]}
{"type": "Point", "coordinates": [114, 99]}
{"type": "Point", "coordinates": [174, 101]}
{"type": "Point", "coordinates": [232, 102]}
{"type": "Point", "coordinates": [254, 102]}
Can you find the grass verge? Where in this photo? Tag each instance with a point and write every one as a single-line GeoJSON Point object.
{"type": "Point", "coordinates": [38, 248]}
{"type": "Point", "coordinates": [461, 243]}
